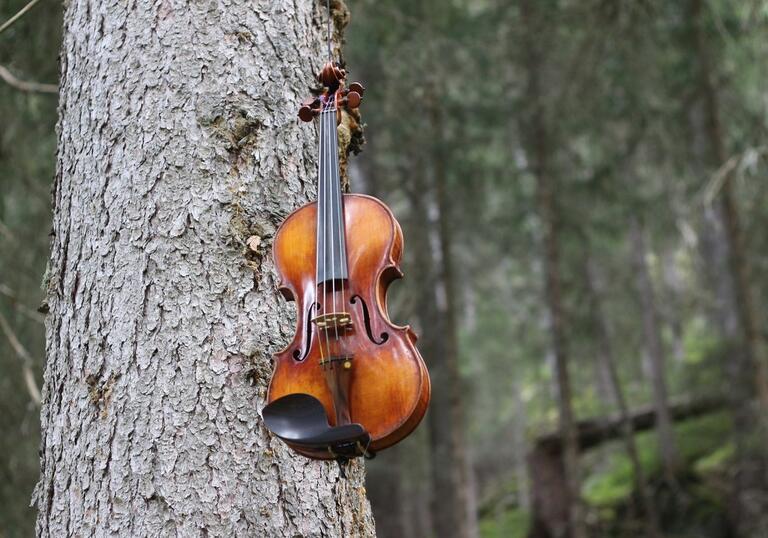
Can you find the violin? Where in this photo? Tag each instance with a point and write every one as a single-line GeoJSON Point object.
{"type": "Point", "coordinates": [350, 383]}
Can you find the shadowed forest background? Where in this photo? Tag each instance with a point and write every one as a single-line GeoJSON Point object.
{"type": "Point", "coordinates": [582, 188]}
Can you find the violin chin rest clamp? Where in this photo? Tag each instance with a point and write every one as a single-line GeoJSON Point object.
{"type": "Point", "coordinates": [300, 420]}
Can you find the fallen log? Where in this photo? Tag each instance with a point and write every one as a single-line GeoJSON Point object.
{"type": "Point", "coordinates": [549, 517]}
{"type": "Point", "coordinates": [595, 431]}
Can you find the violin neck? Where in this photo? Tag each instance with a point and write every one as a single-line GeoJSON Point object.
{"type": "Point", "coordinates": [331, 241]}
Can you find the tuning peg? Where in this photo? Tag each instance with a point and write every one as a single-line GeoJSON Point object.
{"type": "Point", "coordinates": [306, 113]}
{"type": "Point", "coordinates": [357, 88]}
{"type": "Point", "coordinates": [353, 99]}
{"type": "Point", "coordinates": [309, 108]}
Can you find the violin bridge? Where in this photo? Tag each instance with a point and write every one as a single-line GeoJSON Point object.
{"type": "Point", "coordinates": [344, 360]}
{"type": "Point", "coordinates": [334, 320]}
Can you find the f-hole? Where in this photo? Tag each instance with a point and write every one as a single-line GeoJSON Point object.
{"type": "Point", "coordinates": [367, 318]}
{"type": "Point", "coordinates": [298, 354]}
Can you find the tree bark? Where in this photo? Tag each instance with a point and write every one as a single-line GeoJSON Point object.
{"type": "Point", "coordinates": [177, 143]}
{"type": "Point", "coordinates": [655, 350]}
{"type": "Point", "coordinates": [536, 135]}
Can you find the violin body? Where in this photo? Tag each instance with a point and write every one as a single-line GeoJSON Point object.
{"type": "Point", "coordinates": [370, 374]}
{"type": "Point", "coordinates": [351, 382]}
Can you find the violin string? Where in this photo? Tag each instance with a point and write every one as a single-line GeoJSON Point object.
{"type": "Point", "coordinates": [322, 206]}
{"type": "Point", "coordinates": [317, 242]}
{"type": "Point", "coordinates": [331, 128]}
{"type": "Point", "coordinates": [341, 223]}
{"type": "Point", "coordinates": [326, 226]}
{"type": "Point", "coordinates": [339, 208]}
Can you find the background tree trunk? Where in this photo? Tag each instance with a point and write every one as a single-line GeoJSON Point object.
{"type": "Point", "coordinates": [177, 142]}
{"type": "Point", "coordinates": [539, 149]}
{"type": "Point", "coordinates": [447, 292]}
{"type": "Point", "coordinates": [655, 350]}
{"type": "Point", "coordinates": [609, 365]}
{"type": "Point", "coordinates": [445, 503]}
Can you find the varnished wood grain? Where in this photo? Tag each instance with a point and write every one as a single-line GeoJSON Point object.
{"type": "Point", "coordinates": [389, 387]}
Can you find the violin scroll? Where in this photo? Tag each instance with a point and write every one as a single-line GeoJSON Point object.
{"type": "Point", "coordinates": [332, 78]}
{"type": "Point", "coordinates": [331, 75]}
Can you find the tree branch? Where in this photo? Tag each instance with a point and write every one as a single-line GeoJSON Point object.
{"type": "Point", "coordinates": [715, 184]}
{"type": "Point", "coordinates": [26, 360]}
{"type": "Point", "coordinates": [18, 15]}
{"type": "Point", "coordinates": [18, 305]}
{"type": "Point", "coordinates": [25, 86]}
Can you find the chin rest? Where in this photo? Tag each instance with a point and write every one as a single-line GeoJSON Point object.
{"type": "Point", "coordinates": [300, 420]}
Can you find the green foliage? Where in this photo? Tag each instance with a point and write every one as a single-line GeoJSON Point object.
{"type": "Point", "coordinates": [704, 446]}
{"type": "Point", "coordinates": [508, 524]}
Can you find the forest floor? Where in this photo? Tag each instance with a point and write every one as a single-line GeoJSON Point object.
{"type": "Point", "coordinates": [694, 507]}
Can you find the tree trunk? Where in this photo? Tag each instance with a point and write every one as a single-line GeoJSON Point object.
{"type": "Point", "coordinates": [674, 292]}
{"type": "Point", "coordinates": [446, 505]}
{"type": "Point", "coordinates": [539, 148]}
{"type": "Point", "coordinates": [467, 507]}
{"type": "Point", "coordinates": [177, 142]}
{"type": "Point", "coordinates": [608, 360]}
{"type": "Point", "coordinates": [386, 494]}
{"type": "Point", "coordinates": [655, 351]}
{"type": "Point", "coordinates": [520, 447]}
{"type": "Point", "coordinates": [444, 481]}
